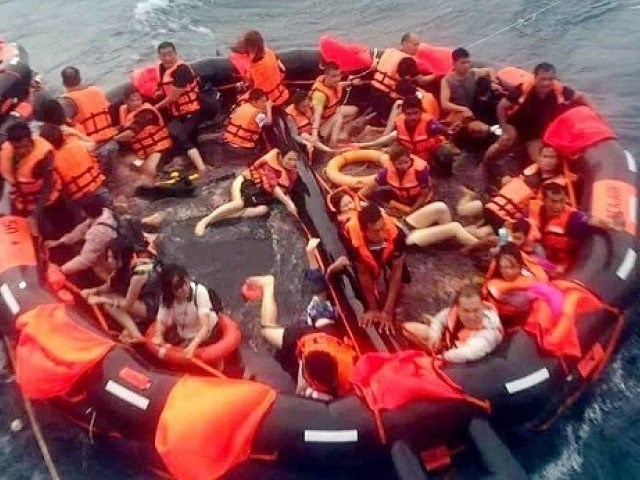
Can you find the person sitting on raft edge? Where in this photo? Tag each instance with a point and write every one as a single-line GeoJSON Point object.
{"type": "Point", "coordinates": [270, 177]}
{"type": "Point", "coordinates": [467, 332]}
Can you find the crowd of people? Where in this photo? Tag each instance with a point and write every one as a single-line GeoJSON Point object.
{"type": "Point", "coordinates": [59, 177]}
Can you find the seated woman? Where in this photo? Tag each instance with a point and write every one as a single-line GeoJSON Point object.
{"type": "Point", "coordinates": [467, 332]}
{"type": "Point", "coordinates": [131, 295]}
{"type": "Point", "coordinates": [270, 178]}
{"type": "Point", "coordinates": [299, 119]}
{"type": "Point", "coordinates": [186, 316]}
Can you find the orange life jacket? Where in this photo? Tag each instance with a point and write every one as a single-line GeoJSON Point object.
{"type": "Point", "coordinates": [344, 217]}
{"type": "Point", "coordinates": [24, 187]}
{"type": "Point", "coordinates": [266, 75]}
{"type": "Point", "coordinates": [78, 170]}
{"type": "Point", "coordinates": [356, 237]}
{"type": "Point", "coordinates": [92, 113]}
{"type": "Point", "coordinates": [385, 77]}
{"type": "Point", "coordinates": [269, 167]}
{"type": "Point", "coordinates": [333, 95]}
{"type": "Point", "coordinates": [455, 333]}
{"type": "Point", "coordinates": [343, 354]}
{"type": "Point", "coordinates": [243, 129]}
{"type": "Point", "coordinates": [429, 103]}
{"type": "Point", "coordinates": [303, 122]}
{"type": "Point", "coordinates": [149, 140]}
{"type": "Point", "coordinates": [511, 201]}
{"type": "Point", "coordinates": [419, 143]}
{"type": "Point", "coordinates": [531, 175]}
{"type": "Point", "coordinates": [528, 87]}
{"type": "Point", "coordinates": [558, 247]}
{"type": "Point", "coordinates": [408, 187]}
{"type": "Point", "coordinates": [188, 101]}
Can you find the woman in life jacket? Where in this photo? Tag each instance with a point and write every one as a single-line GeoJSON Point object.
{"type": "Point", "coordinates": [131, 295]}
{"type": "Point", "coordinates": [466, 332]}
{"type": "Point", "coordinates": [268, 179]}
{"type": "Point", "coordinates": [299, 118]}
{"type": "Point", "coordinates": [186, 316]}
{"type": "Point", "coordinates": [52, 113]}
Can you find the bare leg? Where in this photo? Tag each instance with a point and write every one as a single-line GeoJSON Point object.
{"type": "Point", "coordinates": [150, 166]}
{"type": "Point", "coordinates": [502, 145]}
{"type": "Point", "coordinates": [271, 329]}
{"type": "Point", "coordinates": [395, 111]}
{"type": "Point", "coordinates": [431, 214]}
{"type": "Point", "coordinates": [125, 319]}
{"type": "Point", "coordinates": [312, 254]}
{"type": "Point", "coordinates": [196, 158]}
{"type": "Point", "coordinates": [468, 207]}
{"type": "Point", "coordinates": [425, 237]}
{"type": "Point", "coordinates": [336, 128]}
{"type": "Point", "coordinates": [477, 129]}
{"type": "Point", "coordinates": [533, 148]}
{"type": "Point", "coordinates": [236, 187]}
{"type": "Point", "coordinates": [228, 210]}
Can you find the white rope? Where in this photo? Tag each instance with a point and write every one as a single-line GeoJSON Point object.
{"type": "Point", "coordinates": [517, 23]}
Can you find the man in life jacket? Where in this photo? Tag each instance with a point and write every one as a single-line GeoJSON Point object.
{"type": "Point", "coordinates": [89, 110]}
{"type": "Point", "coordinates": [246, 124]}
{"type": "Point", "coordinates": [377, 249]}
{"type": "Point", "coordinates": [315, 355]}
{"type": "Point", "coordinates": [414, 129]}
{"type": "Point", "coordinates": [329, 116]}
{"type": "Point", "coordinates": [145, 132]}
{"type": "Point", "coordinates": [404, 179]}
{"type": "Point", "coordinates": [299, 118]}
{"type": "Point", "coordinates": [528, 109]}
{"type": "Point", "coordinates": [81, 179]}
{"type": "Point", "coordinates": [467, 332]}
{"type": "Point", "coordinates": [563, 227]}
{"type": "Point", "coordinates": [459, 96]}
{"type": "Point", "coordinates": [179, 92]}
{"type": "Point", "coordinates": [268, 179]}
{"type": "Point", "coordinates": [386, 76]}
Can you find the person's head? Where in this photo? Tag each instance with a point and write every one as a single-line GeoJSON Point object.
{"type": "Point", "coordinates": [253, 44]}
{"type": "Point", "coordinates": [342, 202]}
{"type": "Point", "coordinates": [544, 75]}
{"type": "Point", "coordinates": [461, 61]}
{"type": "Point", "coordinates": [509, 261]}
{"type": "Point", "coordinates": [321, 371]}
{"type": "Point", "coordinates": [548, 160]}
{"type": "Point", "coordinates": [372, 224]}
{"type": "Point", "coordinates": [519, 231]}
{"type": "Point", "coordinates": [52, 112]}
{"type": "Point", "coordinates": [301, 102]}
{"type": "Point", "coordinates": [400, 157]}
{"type": "Point", "coordinates": [19, 136]}
{"type": "Point", "coordinates": [71, 77]}
{"type": "Point", "coordinates": [174, 283]}
{"type": "Point", "coordinates": [167, 54]}
{"type": "Point", "coordinates": [132, 98]}
{"type": "Point", "coordinates": [332, 74]}
{"type": "Point", "coordinates": [258, 98]}
{"type": "Point", "coordinates": [290, 160]}
{"type": "Point", "coordinates": [470, 306]}
{"type": "Point", "coordinates": [407, 68]}
{"type": "Point", "coordinates": [406, 88]}
{"type": "Point", "coordinates": [409, 43]}
{"type": "Point", "coordinates": [412, 109]}
{"type": "Point", "coordinates": [554, 197]}
{"type": "Point", "coordinates": [52, 134]}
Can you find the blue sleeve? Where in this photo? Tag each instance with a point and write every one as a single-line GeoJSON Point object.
{"type": "Point", "coordinates": [423, 178]}
{"type": "Point", "coordinates": [381, 178]}
{"type": "Point", "coordinates": [578, 225]}
{"type": "Point", "coordinates": [435, 128]}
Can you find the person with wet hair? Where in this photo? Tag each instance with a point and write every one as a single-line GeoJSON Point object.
{"type": "Point", "coordinates": [299, 119]}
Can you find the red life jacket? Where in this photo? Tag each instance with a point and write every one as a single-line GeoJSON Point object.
{"type": "Point", "coordinates": [558, 246]}
{"type": "Point", "coordinates": [268, 172]}
{"type": "Point", "coordinates": [359, 243]}
{"type": "Point", "coordinates": [408, 187]}
{"type": "Point", "coordinates": [152, 138]}
{"type": "Point", "coordinates": [188, 101]}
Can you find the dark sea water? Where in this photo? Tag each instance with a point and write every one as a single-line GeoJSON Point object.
{"type": "Point", "coordinates": [594, 43]}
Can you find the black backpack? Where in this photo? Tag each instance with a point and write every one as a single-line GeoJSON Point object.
{"type": "Point", "coordinates": [216, 301]}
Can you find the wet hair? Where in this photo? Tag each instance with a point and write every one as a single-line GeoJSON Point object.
{"type": "Point", "coordinates": [129, 90]}
{"type": "Point", "coordinates": [406, 88]}
{"type": "Point", "coordinates": [521, 225]}
{"type": "Point", "coordinates": [545, 147]}
{"type": "Point", "coordinates": [323, 369]}
{"type": "Point", "coordinates": [468, 290]}
{"type": "Point", "coordinates": [544, 67]}
{"type": "Point", "coordinates": [336, 199]}
{"type": "Point", "coordinates": [170, 273]}
{"type": "Point", "coordinates": [369, 215]}
{"type": "Point", "coordinates": [459, 53]}
{"type": "Point", "coordinates": [52, 134]}
{"type": "Point", "coordinates": [164, 45]}
{"type": "Point", "coordinates": [253, 40]}
{"type": "Point", "coordinates": [553, 188]}
{"type": "Point", "coordinates": [52, 112]}
{"type": "Point", "coordinates": [411, 102]}
{"type": "Point", "coordinates": [256, 94]}
{"type": "Point", "coordinates": [510, 249]}
{"type": "Point", "coordinates": [407, 67]}
{"type": "Point", "coordinates": [298, 97]}
{"type": "Point", "coordinates": [71, 77]}
{"type": "Point", "coordinates": [397, 151]}
{"type": "Point", "coordinates": [405, 37]}
{"type": "Point", "coordinates": [18, 132]}
{"type": "Point", "coordinates": [331, 67]}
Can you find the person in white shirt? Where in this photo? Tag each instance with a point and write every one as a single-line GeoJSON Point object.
{"type": "Point", "coordinates": [186, 316]}
{"type": "Point", "coordinates": [465, 333]}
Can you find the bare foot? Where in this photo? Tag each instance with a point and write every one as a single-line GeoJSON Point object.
{"type": "Point", "coordinates": [312, 244]}
{"type": "Point", "coordinates": [154, 220]}
{"type": "Point", "coordinates": [259, 280]}
{"type": "Point", "coordinates": [201, 227]}
{"type": "Point", "coordinates": [481, 244]}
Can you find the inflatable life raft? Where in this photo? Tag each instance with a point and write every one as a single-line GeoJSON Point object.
{"type": "Point", "coordinates": [520, 382]}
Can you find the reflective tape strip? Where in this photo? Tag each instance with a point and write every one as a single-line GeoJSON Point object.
{"type": "Point", "coordinates": [626, 267]}
{"type": "Point", "coordinates": [633, 209]}
{"type": "Point", "coordinates": [127, 395]}
{"type": "Point", "coordinates": [9, 299]}
{"type": "Point", "coordinates": [330, 436]}
{"type": "Point", "coordinates": [529, 381]}
{"type": "Point", "coordinates": [631, 162]}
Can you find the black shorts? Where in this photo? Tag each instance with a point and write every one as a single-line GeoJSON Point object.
{"type": "Point", "coordinates": [254, 195]}
{"type": "Point", "coordinates": [380, 103]}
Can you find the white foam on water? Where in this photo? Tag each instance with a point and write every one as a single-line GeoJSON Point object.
{"type": "Point", "coordinates": [146, 7]}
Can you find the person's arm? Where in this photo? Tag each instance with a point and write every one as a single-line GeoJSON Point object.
{"type": "Point", "coordinates": [207, 318]}
{"type": "Point", "coordinates": [422, 200]}
{"type": "Point", "coordinates": [293, 129]}
{"type": "Point", "coordinates": [318, 110]}
{"type": "Point", "coordinates": [162, 321]}
{"type": "Point", "coordinates": [74, 236]}
{"type": "Point", "coordinates": [99, 290]}
{"type": "Point", "coordinates": [424, 80]}
{"type": "Point", "coordinates": [182, 77]}
{"type": "Point", "coordinates": [97, 239]}
{"type": "Point", "coordinates": [286, 200]}
{"type": "Point", "coordinates": [382, 141]}
{"type": "Point", "coordinates": [582, 98]}
{"type": "Point", "coordinates": [501, 110]}
{"type": "Point", "coordinates": [367, 282]}
{"type": "Point", "coordinates": [89, 144]}
{"type": "Point", "coordinates": [125, 135]}
{"type": "Point", "coordinates": [355, 82]}
{"type": "Point", "coordinates": [445, 99]}
{"type": "Point", "coordinates": [45, 171]}
{"type": "Point", "coordinates": [174, 94]}
{"type": "Point", "coordinates": [477, 347]}
{"type": "Point", "coordinates": [269, 113]}
{"type": "Point", "coordinates": [126, 303]}
{"type": "Point", "coordinates": [395, 283]}
{"type": "Point", "coordinates": [340, 264]}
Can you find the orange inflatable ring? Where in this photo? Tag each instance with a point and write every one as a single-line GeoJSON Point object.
{"type": "Point", "coordinates": [210, 354]}
{"type": "Point", "coordinates": [337, 163]}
